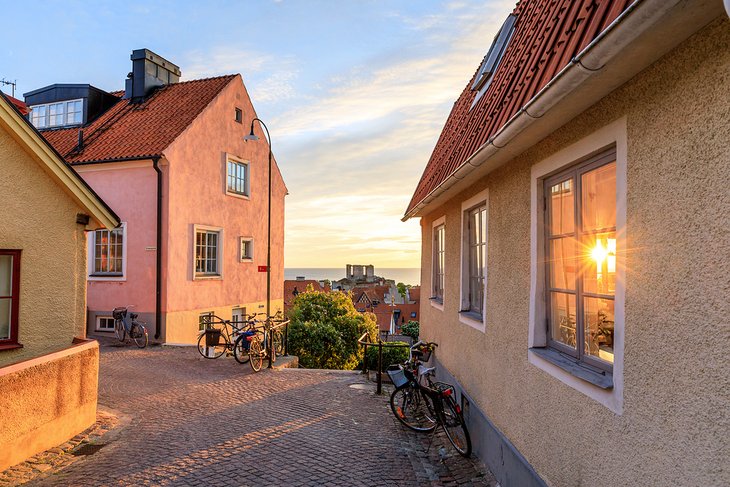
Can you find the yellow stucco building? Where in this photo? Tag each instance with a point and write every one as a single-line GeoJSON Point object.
{"type": "Point", "coordinates": [48, 370]}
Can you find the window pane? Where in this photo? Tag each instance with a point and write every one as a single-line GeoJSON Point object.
{"type": "Point", "coordinates": [5, 305]}
{"type": "Point", "coordinates": [562, 318]}
{"type": "Point", "coordinates": [598, 323]}
{"type": "Point", "coordinates": [6, 275]}
{"type": "Point", "coordinates": [562, 217]}
{"type": "Point", "coordinates": [599, 198]}
{"type": "Point", "coordinates": [599, 263]}
{"type": "Point", "coordinates": [562, 264]}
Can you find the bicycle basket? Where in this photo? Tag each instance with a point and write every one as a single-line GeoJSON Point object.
{"type": "Point", "coordinates": [212, 338]}
{"type": "Point", "coordinates": [424, 354]}
{"type": "Point", "coordinates": [397, 376]}
{"type": "Point", "coordinates": [119, 313]}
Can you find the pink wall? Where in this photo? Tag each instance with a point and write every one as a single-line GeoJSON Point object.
{"type": "Point", "coordinates": [197, 171]}
{"type": "Point", "coordinates": [131, 191]}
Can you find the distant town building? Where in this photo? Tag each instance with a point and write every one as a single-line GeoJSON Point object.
{"type": "Point", "coordinates": [293, 287]}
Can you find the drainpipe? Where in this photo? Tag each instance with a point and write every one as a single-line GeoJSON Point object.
{"type": "Point", "coordinates": [158, 271]}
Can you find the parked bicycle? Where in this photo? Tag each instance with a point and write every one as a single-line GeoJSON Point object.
{"type": "Point", "coordinates": [422, 404]}
{"type": "Point", "coordinates": [221, 336]}
{"type": "Point", "coordinates": [256, 345]}
{"type": "Point", "coordinates": [126, 325]}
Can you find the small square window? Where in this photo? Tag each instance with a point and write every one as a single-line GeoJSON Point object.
{"type": "Point", "coordinates": [104, 323]}
{"type": "Point", "coordinates": [246, 249]}
{"type": "Point", "coordinates": [204, 319]}
{"type": "Point", "coordinates": [239, 115]}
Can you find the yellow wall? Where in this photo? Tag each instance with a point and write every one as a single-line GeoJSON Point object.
{"type": "Point", "coordinates": [181, 327]}
{"type": "Point", "coordinates": [672, 429]}
{"type": "Point", "coordinates": [46, 401]}
{"type": "Point", "coordinates": [39, 218]}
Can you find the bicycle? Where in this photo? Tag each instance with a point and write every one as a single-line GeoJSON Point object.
{"type": "Point", "coordinates": [211, 346]}
{"type": "Point", "coordinates": [242, 344]}
{"type": "Point", "coordinates": [422, 407]}
{"type": "Point", "coordinates": [125, 323]}
{"type": "Point", "coordinates": [257, 348]}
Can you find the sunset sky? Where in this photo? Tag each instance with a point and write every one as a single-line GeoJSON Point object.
{"type": "Point", "coordinates": [354, 93]}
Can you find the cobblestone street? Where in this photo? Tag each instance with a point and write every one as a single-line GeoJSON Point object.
{"type": "Point", "coordinates": [184, 420]}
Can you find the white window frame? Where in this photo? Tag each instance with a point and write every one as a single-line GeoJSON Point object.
{"type": "Point", "coordinates": [91, 249]}
{"type": "Point", "coordinates": [465, 317]}
{"type": "Point", "coordinates": [613, 134]}
{"type": "Point", "coordinates": [242, 257]}
{"type": "Point", "coordinates": [219, 253]}
{"type": "Point", "coordinates": [247, 164]}
{"type": "Point", "coordinates": [439, 222]}
{"type": "Point", "coordinates": [98, 323]}
{"type": "Point", "coordinates": [63, 115]}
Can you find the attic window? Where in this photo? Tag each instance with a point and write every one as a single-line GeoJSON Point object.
{"type": "Point", "coordinates": [239, 115]}
{"type": "Point", "coordinates": [493, 57]}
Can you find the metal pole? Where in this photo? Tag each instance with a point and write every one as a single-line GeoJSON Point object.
{"type": "Point", "coordinates": [380, 366]}
{"type": "Point", "coordinates": [268, 263]}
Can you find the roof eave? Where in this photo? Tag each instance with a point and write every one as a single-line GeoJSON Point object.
{"type": "Point", "coordinates": [23, 132]}
{"type": "Point", "coordinates": [643, 33]}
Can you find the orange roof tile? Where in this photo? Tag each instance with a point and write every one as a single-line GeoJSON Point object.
{"type": "Point", "coordinates": [547, 35]}
{"type": "Point", "coordinates": [139, 130]}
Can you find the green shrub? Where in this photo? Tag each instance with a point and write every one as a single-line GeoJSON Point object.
{"type": "Point", "coordinates": [391, 355]}
{"type": "Point", "coordinates": [411, 329]}
{"type": "Point", "coordinates": [324, 330]}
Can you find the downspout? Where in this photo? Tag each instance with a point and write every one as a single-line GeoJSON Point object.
{"type": "Point", "coordinates": [158, 271]}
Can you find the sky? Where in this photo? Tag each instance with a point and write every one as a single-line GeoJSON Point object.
{"type": "Point", "coordinates": [354, 93]}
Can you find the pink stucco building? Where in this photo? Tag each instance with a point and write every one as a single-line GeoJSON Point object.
{"type": "Point", "coordinates": [171, 160]}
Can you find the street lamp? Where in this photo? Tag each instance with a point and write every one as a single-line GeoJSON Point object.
{"type": "Point", "coordinates": [254, 137]}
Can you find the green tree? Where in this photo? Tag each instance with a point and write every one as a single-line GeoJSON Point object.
{"type": "Point", "coordinates": [402, 289]}
{"type": "Point", "coordinates": [324, 330]}
{"type": "Point", "coordinates": [411, 329]}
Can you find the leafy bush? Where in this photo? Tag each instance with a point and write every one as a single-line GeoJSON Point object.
{"type": "Point", "coordinates": [324, 330]}
{"type": "Point", "coordinates": [391, 355]}
{"type": "Point", "coordinates": [411, 329]}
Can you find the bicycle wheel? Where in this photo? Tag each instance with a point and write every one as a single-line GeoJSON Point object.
{"type": "Point", "coordinates": [209, 346]}
{"type": "Point", "coordinates": [139, 335]}
{"type": "Point", "coordinates": [119, 331]}
{"type": "Point", "coordinates": [454, 426]}
{"type": "Point", "coordinates": [412, 409]}
{"type": "Point", "coordinates": [278, 342]}
{"type": "Point", "coordinates": [241, 349]}
{"type": "Point", "coordinates": [256, 354]}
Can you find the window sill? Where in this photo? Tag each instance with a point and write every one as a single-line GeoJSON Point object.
{"type": "Point", "coordinates": [107, 277]}
{"type": "Point", "coordinates": [238, 195]}
{"type": "Point", "coordinates": [203, 277]}
{"type": "Point", "coordinates": [243, 261]}
{"type": "Point", "coordinates": [475, 320]}
{"type": "Point", "coordinates": [10, 346]}
{"type": "Point", "coordinates": [437, 303]}
{"type": "Point", "coordinates": [592, 375]}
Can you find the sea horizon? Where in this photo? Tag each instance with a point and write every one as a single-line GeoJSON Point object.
{"type": "Point", "coordinates": [406, 275]}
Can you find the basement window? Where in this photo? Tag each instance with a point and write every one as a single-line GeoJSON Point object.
{"type": "Point", "coordinates": [493, 58]}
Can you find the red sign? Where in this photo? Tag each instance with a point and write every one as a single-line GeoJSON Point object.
{"type": "Point", "coordinates": [262, 268]}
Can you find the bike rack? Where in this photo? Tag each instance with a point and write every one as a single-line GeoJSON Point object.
{"type": "Point", "coordinates": [380, 345]}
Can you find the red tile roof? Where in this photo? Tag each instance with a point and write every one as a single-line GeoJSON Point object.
{"type": "Point", "coordinates": [135, 130]}
{"type": "Point", "coordinates": [548, 34]}
{"type": "Point", "coordinates": [22, 107]}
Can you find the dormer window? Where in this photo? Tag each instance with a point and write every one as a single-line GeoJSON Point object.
{"type": "Point", "coordinates": [493, 57]}
{"type": "Point", "coordinates": [59, 114]}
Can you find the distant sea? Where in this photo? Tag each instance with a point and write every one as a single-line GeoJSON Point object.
{"type": "Point", "coordinates": [405, 275]}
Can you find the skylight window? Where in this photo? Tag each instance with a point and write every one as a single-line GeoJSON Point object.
{"type": "Point", "coordinates": [493, 57]}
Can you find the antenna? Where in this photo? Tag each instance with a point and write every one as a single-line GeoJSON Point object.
{"type": "Point", "coordinates": [13, 83]}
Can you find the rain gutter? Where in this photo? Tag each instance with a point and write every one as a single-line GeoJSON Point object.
{"type": "Point", "coordinates": [641, 18]}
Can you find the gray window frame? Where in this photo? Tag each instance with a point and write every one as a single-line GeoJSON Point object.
{"type": "Point", "coordinates": [120, 234]}
{"type": "Point", "coordinates": [206, 258]}
{"type": "Point", "coordinates": [574, 172]}
{"type": "Point", "coordinates": [476, 274]}
{"type": "Point", "coordinates": [439, 263]}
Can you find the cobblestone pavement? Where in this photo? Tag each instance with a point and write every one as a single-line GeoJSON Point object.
{"type": "Point", "coordinates": [192, 421]}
